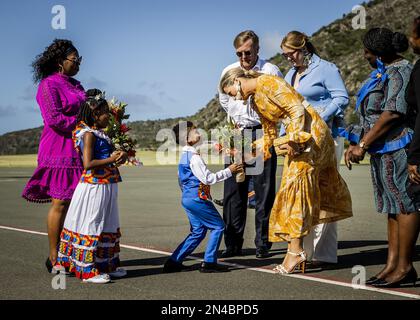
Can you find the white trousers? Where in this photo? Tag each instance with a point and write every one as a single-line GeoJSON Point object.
{"type": "Point", "coordinates": [321, 242]}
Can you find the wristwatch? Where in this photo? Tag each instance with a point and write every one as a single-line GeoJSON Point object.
{"type": "Point", "coordinates": [363, 145]}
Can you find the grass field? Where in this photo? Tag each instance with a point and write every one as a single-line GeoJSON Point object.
{"type": "Point", "coordinates": [29, 160]}
{"type": "Point", "coordinates": [149, 158]}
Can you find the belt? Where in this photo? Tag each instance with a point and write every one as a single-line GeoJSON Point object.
{"type": "Point", "coordinates": [254, 127]}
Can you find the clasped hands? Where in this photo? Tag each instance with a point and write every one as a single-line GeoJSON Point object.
{"type": "Point", "coordinates": [354, 154]}
{"type": "Point", "coordinates": [292, 149]}
{"type": "Point", "coordinates": [120, 157]}
{"type": "Point", "coordinates": [413, 174]}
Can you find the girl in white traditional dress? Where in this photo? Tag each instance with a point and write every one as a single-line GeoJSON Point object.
{"type": "Point", "coordinates": [89, 243]}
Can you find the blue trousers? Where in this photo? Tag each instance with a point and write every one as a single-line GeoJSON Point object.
{"type": "Point", "coordinates": [203, 216]}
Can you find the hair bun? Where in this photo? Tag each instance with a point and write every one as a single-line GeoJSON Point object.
{"type": "Point", "coordinates": [399, 42]}
{"type": "Point", "coordinates": [93, 92]}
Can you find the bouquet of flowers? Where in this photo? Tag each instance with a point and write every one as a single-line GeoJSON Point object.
{"type": "Point", "coordinates": [117, 131]}
{"type": "Point", "coordinates": [231, 141]}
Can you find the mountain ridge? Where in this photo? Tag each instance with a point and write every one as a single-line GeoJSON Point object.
{"type": "Point", "coordinates": [337, 42]}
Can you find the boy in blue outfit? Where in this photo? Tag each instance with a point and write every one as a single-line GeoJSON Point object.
{"type": "Point", "coordinates": [195, 180]}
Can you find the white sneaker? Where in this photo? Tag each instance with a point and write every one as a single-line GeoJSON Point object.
{"type": "Point", "coordinates": [118, 273]}
{"type": "Point", "coordinates": [99, 279]}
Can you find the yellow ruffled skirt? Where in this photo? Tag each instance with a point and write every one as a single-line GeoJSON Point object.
{"type": "Point", "coordinates": [312, 190]}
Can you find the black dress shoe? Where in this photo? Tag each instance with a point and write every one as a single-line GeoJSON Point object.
{"type": "Point", "coordinates": [262, 253]}
{"type": "Point", "coordinates": [207, 267]}
{"type": "Point", "coordinates": [171, 266]}
{"type": "Point", "coordinates": [231, 252]}
{"type": "Point", "coordinates": [218, 202]}
{"type": "Point", "coordinates": [371, 281]}
{"type": "Point", "coordinates": [410, 277]}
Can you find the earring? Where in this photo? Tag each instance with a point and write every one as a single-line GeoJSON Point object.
{"type": "Point", "coordinates": [306, 58]}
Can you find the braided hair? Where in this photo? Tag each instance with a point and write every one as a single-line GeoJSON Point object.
{"type": "Point", "coordinates": [48, 62]}
{"type": "Point", "coordinates": [87, 110]}
{"type": "Point", "coordinates": [383, 42]}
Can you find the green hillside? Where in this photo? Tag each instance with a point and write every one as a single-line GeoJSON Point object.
{"type": "Point", "coordinates": [338, 42]}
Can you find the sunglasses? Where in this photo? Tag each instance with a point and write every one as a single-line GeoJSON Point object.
{"type": "Point", "coordinates": [240, 54]}
{"type": "Point", "coordinates": [77, 60]}
{"type": "Point", "coordinates": [289, 55]}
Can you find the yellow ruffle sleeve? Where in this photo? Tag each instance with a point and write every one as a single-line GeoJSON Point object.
{"type": "Point", "coordinates": [277, 101]}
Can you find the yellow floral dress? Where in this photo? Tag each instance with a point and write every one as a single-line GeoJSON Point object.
{"type": "Point", "coordinates": [311, 191]}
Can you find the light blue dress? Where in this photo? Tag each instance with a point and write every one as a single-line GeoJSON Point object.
{"type": "Point", "coordinates": [322, 86]}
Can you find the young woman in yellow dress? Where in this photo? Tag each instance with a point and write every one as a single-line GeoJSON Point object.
{"type": "Point", "coordinates": [311, 191]}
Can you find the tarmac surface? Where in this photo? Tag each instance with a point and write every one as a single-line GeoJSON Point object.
{"type": "Point", "coordinates": [153, 223]}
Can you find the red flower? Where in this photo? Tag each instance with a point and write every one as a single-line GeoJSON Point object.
{"type": "Point", "coordinates": [124, 128]}
{"type": "Point", "coordinates": [218, 147]}
{"type": "Point", "coordinates": [115, 114]}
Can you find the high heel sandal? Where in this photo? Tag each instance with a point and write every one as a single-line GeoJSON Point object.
{"type": "Point", "coordinates": [301, 265]}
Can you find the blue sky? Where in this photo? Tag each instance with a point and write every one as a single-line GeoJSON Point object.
{"type": "Point", "coordinates": [162, 57]}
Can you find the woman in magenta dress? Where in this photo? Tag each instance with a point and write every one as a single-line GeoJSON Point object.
{"type": "Point", "coordinates": [59, 168]}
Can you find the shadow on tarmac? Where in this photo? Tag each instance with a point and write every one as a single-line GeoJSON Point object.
{"type": "Point", "coordinates": [360, 243]}
{"type": "Point", "coordinates": [370, 257]}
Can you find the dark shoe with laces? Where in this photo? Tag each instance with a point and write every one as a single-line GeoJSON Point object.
{"type": "Point", "coordinates": [171, 266]}
{"type": "Point", "coordinates": [262, 253]}
{"type": "Point", "coordinates": [231, 252]}
{"type": "Point", "coordinates": [218, 202]}
{"type": "Point", "coordinates": [207, 267]}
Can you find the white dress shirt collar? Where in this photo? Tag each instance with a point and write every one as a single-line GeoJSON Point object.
{"type": "Point", "coordinates": [189, 149]}
{"type": "Point", "coordinates": [259, 65]}
{"type": "Point", "coordinates": [245, 116]}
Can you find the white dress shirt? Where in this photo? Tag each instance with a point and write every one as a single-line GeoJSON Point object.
{"type": "Point", "coordinates": [200, 170]}
{"type": "Point", "coordinates": [243, 114]}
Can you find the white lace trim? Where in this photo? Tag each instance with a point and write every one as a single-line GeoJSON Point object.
{"type": "Point", "coordinates": [97, 133]}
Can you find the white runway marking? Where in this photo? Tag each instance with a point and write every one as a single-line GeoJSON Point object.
{"type": "Point", "coordinates": [297, 276]}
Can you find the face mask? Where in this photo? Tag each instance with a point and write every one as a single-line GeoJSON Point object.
{"type": "Point", "coordinates": [238, 91]}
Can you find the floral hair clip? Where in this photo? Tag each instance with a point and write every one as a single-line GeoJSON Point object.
{"type": "Point", "coordinates": [100, 96]}
{"type": "Point", "coordinates": [94, 100]}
